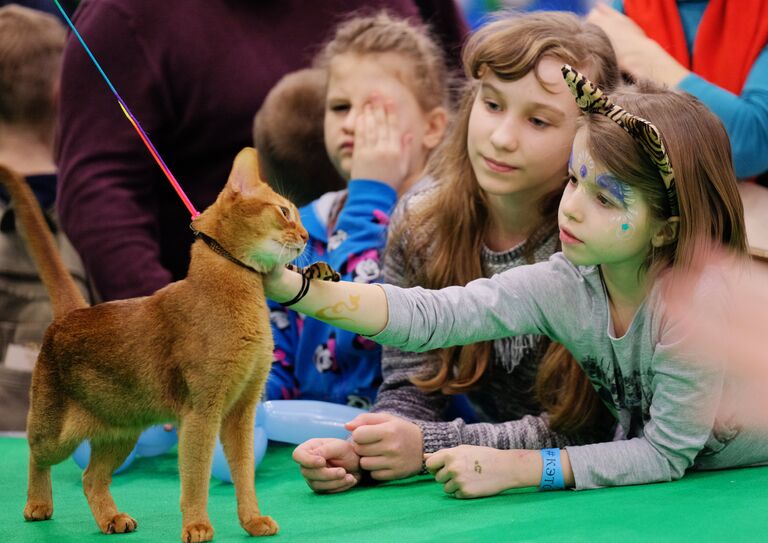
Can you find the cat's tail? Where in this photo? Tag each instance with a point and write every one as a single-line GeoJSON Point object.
{"type": "Point", "coordinates": [64, 294]}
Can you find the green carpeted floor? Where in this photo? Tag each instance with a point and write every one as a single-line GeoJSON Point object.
{"type": "Point", "coordinates": [716, 506]}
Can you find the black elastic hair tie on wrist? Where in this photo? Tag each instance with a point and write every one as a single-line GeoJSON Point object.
{"type": "Point", "coordinates": [302, 291]}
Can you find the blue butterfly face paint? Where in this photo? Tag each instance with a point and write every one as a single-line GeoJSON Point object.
{"type": "Point", "coordinates": [620, 190]}
{"type": "Point", "coordinates": [614, 189]}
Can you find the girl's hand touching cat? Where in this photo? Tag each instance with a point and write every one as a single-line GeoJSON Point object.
{"type": "Point", "coordinates": [389, 447]}
{"type": "Point", "coordinates": [381, 150]}
{"type": "Point", "coordinates": [328, 465]}
{"type": "Point", "coordinates": [469, 471]}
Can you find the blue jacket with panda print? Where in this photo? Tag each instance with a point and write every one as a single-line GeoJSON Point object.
{"type": "Point", "coordinates": [313, 360]}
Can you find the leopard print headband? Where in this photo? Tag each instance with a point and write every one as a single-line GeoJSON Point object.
{"type": "Point", "coordinates": [591, 99]}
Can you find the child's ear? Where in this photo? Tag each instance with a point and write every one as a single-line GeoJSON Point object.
{"type": "Point", "coordinates": [666, 233]}
{"type": "Point", "coordinates": [245, 176]}
{"type": "Point", "coordinates": [437, 121]}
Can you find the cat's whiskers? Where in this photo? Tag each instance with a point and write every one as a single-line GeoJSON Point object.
{"type": "Point", "coordinates": [283, 247]}
{"type": "Point", "coordinates": [302, 259]}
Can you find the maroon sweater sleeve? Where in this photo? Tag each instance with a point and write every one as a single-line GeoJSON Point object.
{"type": "Point", "coordinates": [107, 201]}
{"type": "Point", "coordinates": [194, 73]}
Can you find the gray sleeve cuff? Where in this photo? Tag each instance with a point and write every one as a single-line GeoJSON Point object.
{"type": "Point", "coordinates": [438, 435]}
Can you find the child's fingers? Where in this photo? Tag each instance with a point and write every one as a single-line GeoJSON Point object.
{"type": "Point", "coordinates": [334, 448]}
{"type": "Point", "coordinates": [434, 461]}
{"type": "Point", "coordinates": [443, 475]}
{"type": "Point", "coordinates": [375, 463]}
{"type": "Point", "coordinates": [305, 455]}
{"type": "Point", "coordinates": [379, 112]}
{"type": "Point", "coordinates": [367, 418]}
{"type": "Point", "coordinates": [339, 485]}
{"type": "Point", "coordinates": [392, 120]}
{"type": "Point", "coordinates": [360, 135]}
{"type": "Point", "coordinates": [371, 130]}
{"type": "Point", "coordinates": [385, 475]}
{"type": "Point", "coordinates": [450, 486]}
{"type": "Point", "coordinates": [368, 434]}
{"type": "Point", "coordinates": [323, 474]}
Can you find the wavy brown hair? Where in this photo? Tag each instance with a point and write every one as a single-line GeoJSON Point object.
{"type": "Point", "coordinates": [456, 216]}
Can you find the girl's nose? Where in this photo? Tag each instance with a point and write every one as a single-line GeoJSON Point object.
{"type": "Point", "coordinates": [569, 204]}
{"type": "Point", "coordinates": [505, 137]}
{"type": "Point", "coordinates": [348, 126]}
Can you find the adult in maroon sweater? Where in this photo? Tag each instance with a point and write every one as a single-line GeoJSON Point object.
{"type": "Point", "coordinates": [194, 73]}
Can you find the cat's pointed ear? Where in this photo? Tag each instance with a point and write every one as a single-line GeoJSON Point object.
{"type": "Point", "coordinates": [245, 175]}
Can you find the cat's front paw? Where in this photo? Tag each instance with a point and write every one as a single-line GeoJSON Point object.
{"type": "Point", "coordinates": [119, 524]}
{"type": "Point", "coordinates": [260, 525]}
{"type": "Point", "coordinates": [197, 532]}
{"type": "Point", "coordinates": [38, 510]}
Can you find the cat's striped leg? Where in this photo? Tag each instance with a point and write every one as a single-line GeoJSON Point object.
{"type": "Point", "coordinates": [106, 457]}
{"type": "Point", "coordinates": [237, 440]}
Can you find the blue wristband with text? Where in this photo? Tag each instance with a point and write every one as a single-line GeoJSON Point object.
{"type": "Point", "coordinates": [552, 470]}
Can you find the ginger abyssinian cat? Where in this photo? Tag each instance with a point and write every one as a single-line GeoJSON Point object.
{"type": "Point", "coordinates": [197, 352]}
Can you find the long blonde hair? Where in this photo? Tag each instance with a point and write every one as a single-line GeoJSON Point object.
{"type": "Point", "coordinates": [456, 215]}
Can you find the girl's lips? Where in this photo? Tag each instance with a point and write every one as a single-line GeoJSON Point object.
{"type": "Point", "coordinates": [568, 238]}
{"type": "Point", "coordinates": [498, 166]}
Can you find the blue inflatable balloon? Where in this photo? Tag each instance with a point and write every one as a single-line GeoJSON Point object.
{"type": "Point", "coordinates": [156, 440]}
{"type": "Point", "coordinates": [260, 414]}
{"type": "Point", "coordinates": [220, 467]}
{"type": "Point", "coordinates": [82, 456]}
{"type": "Point", "coordinates": [295, 421]}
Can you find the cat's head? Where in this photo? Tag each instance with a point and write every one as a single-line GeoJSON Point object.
{"type": "Point", "coordinates": [255, 224]}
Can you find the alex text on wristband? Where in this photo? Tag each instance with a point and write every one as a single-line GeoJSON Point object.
{"type": "Point", "coordinates": [552, 470]}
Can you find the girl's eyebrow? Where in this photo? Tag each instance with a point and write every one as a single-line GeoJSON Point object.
{"type": "Point", "coordinates": [549, 108]}
{"type": "Point", "coordinates": [557, 113]}
{"type": "Point", "coordinates": [485, 86]}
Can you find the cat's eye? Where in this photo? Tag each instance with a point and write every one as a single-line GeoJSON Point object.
{"type": "Point", "coordinates": [285, 211]}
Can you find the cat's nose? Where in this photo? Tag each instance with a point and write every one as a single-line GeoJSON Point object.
{"type": "Point", "coordinates": [304, 235]}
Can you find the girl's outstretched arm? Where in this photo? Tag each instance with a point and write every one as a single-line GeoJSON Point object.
{"type": "Point", "coordinates": [358, 307]}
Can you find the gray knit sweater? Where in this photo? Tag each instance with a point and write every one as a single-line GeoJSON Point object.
{"type": "Point", "coordinates": [503, 402]}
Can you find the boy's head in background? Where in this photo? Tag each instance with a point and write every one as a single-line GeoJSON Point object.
{"type": "Point", "coordinates": [31, 47]}
{"type": "Point", "coordinates": [288, 132]}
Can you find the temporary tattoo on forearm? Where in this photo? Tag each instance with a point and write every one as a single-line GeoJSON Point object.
{"type": "Point", "coordinates": [478, 467]}
{"type": "Point", "coordinates": [333, 312]}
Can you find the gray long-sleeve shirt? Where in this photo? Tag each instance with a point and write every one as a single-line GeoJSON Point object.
{"type": "Point", "coordinates": [668, 405]}
{"type": "Point", "coordinates": [506, 413]}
